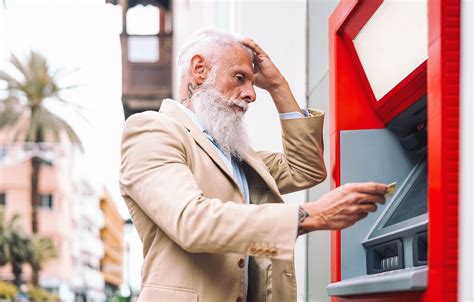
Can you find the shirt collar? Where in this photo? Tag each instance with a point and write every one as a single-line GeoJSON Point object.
{"type": "Point", "coordinates": [190, 114]}
{"type": "Point", "coordinates": [195, 120]}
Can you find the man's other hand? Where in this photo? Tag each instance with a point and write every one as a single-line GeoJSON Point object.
{"type": "Point", "coordinates": [342, 207]}
{"type": "Point", "coordinates": [267, 75]}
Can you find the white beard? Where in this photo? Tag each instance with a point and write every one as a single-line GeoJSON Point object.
{"type": "Point", "coordinates": [226, 126]}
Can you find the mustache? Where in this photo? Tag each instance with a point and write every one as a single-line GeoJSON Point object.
{"type": "Point", "coordinates": [239, 103]}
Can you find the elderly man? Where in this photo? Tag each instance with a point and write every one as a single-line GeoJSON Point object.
{"type": "Point", "coordinates": [207, 207]}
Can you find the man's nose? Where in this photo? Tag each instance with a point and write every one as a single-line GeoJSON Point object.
{"type": "Point", "coordinates": [249, 94]}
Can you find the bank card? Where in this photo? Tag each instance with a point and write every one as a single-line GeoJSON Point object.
{"type": "Point", "coordinates": [392, 187]}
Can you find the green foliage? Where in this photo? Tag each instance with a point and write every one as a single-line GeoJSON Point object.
{"type": "Point", "coordinates": [7, 290]}
{"type": "Point", "coordinates": [17, 248]}
{"type": "Point", "coordinates": [43, 250]}
{"type": "Point", "coordinates": [15, 245]}
{"type": "Point", "coordinates": [39, 294]}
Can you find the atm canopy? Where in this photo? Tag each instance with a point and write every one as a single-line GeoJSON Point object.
{"type": "Point", "coordinates": [390, 49]}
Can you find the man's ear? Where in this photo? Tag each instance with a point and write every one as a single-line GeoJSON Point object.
{"type": "Point", "coordinates": [199, 69]}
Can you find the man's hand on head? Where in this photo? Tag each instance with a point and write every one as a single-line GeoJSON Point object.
{"type": "Point", "coordinates": [268, 77]}
{"type": "Point", "coordinates": [342, 207]}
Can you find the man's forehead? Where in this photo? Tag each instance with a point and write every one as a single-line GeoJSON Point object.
{"type": "Point", "coordinates": [239, 56]}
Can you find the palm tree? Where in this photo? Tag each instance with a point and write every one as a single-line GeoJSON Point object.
{"type": "Point", "coordinates": [43, 250]}
{"type": "Point", "coordinates": [28, 85]}
{"type": "Point", "coordinates": [15, 246]}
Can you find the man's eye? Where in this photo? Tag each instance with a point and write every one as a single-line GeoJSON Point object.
{"type": "Point", "coordinates": [240, 78]}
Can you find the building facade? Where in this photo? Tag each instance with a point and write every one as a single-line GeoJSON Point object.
{"type": "Point", "coordinates": [69, 214]}
{"type": "Point", "coordinates": [112, 236]}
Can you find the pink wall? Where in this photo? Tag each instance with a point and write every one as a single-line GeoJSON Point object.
{"type": "Point", "coordinates": [56, 222]}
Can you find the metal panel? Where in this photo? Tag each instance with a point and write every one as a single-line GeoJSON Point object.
{"type": "Point", "coordinates": [368, 155]}
{"type": "Point", "coordinates": [411, 279]}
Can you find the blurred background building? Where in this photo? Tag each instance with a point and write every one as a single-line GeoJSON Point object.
{"type": "Point", "coordinates": [112, 236]}
{"type": "Point", "coordinates": [147, 41]}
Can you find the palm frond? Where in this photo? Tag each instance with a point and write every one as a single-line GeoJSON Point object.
{"type": "Point", "coordinates": [34, 80]}
{"type": "Point", "coordinates": [10, 112]}
{"type": "Point", "coordinates": [19, 66]}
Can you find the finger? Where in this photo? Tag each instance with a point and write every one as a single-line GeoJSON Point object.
{"type": "Point", "coordinates": [362, 198]}
{"type": "Point", "coordinates": [369, 187]}
{"type": "Point", "coordinates": [254, 46]}
{"type": "Point", "coordinates": [368, 208]}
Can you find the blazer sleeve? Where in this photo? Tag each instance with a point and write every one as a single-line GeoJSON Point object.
{"type": "Point", "coordinates": [301, 165]}
{"type": "Point", "coordinates": [155, 176]}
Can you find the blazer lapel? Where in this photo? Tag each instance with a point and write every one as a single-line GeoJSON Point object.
{"type": "Point", "coordinates": [171, 109]}
{"type": "Point", "coordinates": [259, 166]}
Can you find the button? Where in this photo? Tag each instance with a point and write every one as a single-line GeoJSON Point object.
{"type": "Point", "coordinates": [253, 250]}
{"type": "Point", "coordinates": [241, 263]}
{"type": "Point", "coordinates": [273, 252]}
{"type": "Point", "coordinates": [259, 251]}
{"type": "Point", "coordinates": [239, 299]}
{"type": "Point", "coordinates": [267, 252]}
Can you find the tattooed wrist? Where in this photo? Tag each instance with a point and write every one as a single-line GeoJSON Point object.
{"type": "Point", "coordinates": [302, 215]}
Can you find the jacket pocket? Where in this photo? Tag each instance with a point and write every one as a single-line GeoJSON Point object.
{"type": "Point", "coordinates": [155, 293]}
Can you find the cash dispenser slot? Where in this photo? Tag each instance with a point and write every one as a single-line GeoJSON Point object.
{"type": "Point", "coordinates": [385, 257]}
{"type": "Point", "coordinates": [420, 249]}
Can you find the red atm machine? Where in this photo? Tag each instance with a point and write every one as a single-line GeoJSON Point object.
{"type": "Point", "coordinates": [394, 81]}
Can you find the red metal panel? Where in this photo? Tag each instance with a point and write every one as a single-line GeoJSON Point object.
{"type": "Point", "coordinates": [443, 146]}
{"type": "Point", "coordinates": [408, 91]}
{"type": "Point", "coordinates": [359, 17]}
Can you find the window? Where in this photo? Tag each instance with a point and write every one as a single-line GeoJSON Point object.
{"type": "Point", "coordinates": [143, 49]}
{"type": "Point", "coordinates": [3, 198]}
{"type": "Point", "coordinates": [143, 20]}
{"type": "Point", "coordinates": [3, 152]}
{"type": "Point", "coordinates": [46, 201]}
{"type": "Point", "coordinates": [47, 162]}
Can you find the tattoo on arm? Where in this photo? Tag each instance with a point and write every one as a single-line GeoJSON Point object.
{"type": "Point", "coordinates": [302, 215]}
{"type": "Point", "coordinates": [191, 88]}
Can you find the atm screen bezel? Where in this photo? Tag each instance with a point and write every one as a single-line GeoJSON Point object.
{"type": "Point", "coordinates": [380, 233]}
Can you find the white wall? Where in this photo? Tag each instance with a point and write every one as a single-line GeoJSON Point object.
{"type": "Point", "coordinates": [187, 17]}
{"type": "Point", "coordinates": [319, 252]}
{"type": "Point", "coordinates": [279, 27]}
{"type": "Point", "coordinates": [466, 210]}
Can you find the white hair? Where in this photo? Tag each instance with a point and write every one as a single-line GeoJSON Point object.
{"type": "Point", "coordinates": [205, 42]}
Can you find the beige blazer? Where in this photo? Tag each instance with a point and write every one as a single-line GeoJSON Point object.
{"type": "Point", "coordinates": [191, 216]}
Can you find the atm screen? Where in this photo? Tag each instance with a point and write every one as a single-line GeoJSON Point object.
{"type": "Point", "coordinates": [414, 202]}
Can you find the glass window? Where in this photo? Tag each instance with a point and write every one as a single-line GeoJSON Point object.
{"type": "Point", "coordinates": [46, 201]}
{"type": "Point", "coordinates": [3, 199]}
{"type": "Point", "coordinates": [143, 20]}
{"type": "Point", "coordinates": [143, 49]}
